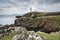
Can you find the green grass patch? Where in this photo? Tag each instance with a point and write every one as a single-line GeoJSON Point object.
{"type": "Point", "coordinates": [52, 36]}
{"type": "Point", "coordinates": [9, 37]}
{"type": "Point", "coordinates": [56, 19]}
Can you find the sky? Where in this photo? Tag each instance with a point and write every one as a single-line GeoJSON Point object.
{"type": "Point", "coordinates": [8, 7]}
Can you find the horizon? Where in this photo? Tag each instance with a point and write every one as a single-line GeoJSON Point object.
{"type": "Point", "coordinates": [26, 13]}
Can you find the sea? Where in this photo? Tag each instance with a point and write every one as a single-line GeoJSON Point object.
{"type": "Point", "coordinates": [7, 19]}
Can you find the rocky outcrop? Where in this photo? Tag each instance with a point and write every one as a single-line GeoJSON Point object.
{"type": "Point", "coordinates": [37, 24]}
{"type": "Point", "coordinates": [23, 34]}
{"type": "Point", "coordinates": [29, 35]}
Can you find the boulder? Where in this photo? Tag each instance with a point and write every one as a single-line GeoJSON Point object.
{"type": "Point", "coordinates": [20, 30]}
{"type": "Point", "coordinates": [29, 35]}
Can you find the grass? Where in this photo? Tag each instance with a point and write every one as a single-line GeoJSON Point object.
{"type": "Point", "coordinates": [9, 37]}
{"type": "Point", "coordinates": [56, 19]}
{"type": "Point", "coordinates": [52, 36]}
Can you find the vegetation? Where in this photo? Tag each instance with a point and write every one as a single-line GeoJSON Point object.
{"type": "Point", "coordinates": [56, 19]}
{"type": "Point", "coordinates": [45, 36]}
{"type": "Point", "coordinates": [9, 37]}
{"type": "Point", "coordinates": [52, 36]}
{"type": "Point", "coordinates": [35, 14]}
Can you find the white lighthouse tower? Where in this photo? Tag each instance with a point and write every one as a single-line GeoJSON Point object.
{"type": "Point", "coordinates": [30, 9]}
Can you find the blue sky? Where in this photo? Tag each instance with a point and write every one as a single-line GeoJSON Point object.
{"type": "Point", "coordinates": [8, 7]}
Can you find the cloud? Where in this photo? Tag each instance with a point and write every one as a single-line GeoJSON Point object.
{"type": "Point", "coordinates": [22, 6]}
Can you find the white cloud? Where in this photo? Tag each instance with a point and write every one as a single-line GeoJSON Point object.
{"type": "Point", "coordinates": [22, 6]}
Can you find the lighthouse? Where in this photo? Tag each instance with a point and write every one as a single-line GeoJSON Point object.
{"type": "Point", "coordinates": [30, 9]}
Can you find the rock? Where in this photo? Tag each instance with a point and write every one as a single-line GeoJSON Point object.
{"type": "Point", "coordinates": [29, 35]}
{"type": "Point", "coordinates": [37, 24]}
{"type": "Point", "coordinates": [18, 16]}
{"type": "Point", "coordinates": [59, 31]}
{"type": "Point", "coordinates": [20, 30]}
{"type": "Point", "coordinates": [1, 35]}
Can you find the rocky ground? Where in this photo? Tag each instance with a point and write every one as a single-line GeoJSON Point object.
{"type": "Point", "coordinates": [26, 26]}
